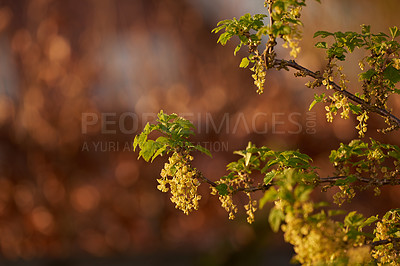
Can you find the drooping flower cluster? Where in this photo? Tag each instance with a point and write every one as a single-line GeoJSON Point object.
{"type": "Point", "coordinates": [179, 177]}
{"type": "Point", "coordinates": [233, 185]}
{"type": "Point", "coordinates": [250, 209]}
{"type": "Point", "coordinates": [259, 74]}
{"type": "Point", "coordinates": [323, 241]}
{"type": "Point", "coordinates": [387, 229]}
{"type": "Point", "coordinates": [226, 203]}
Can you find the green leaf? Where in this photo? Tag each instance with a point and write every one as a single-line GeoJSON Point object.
{"type": "Point", "coordinates": [394, 31]}
{"type": "Point", "coordinates": [355, 109]}
{"type": "Point", "coordinates": [159, 151]}
{"type": "Point", "coordinates": [323, 34]}
{"type": "Point", "coordinates": [135, 142]}
{"type": "Point", "coordinates": [365, 29]}
{"type": "Point", "coordinates": [162, 140]}
{"type": "Point", "coordinates": [222, 189]}
{"type": "Point", "coordinates": [312, 105]}
{"type": "Point", "coordinates": [322, 45]}
{"type": "Point", "coordinates": [369, 221]}
{"type": "Point", "coordinates": [271, 163]}
{"type": "Point", "coordinates": [302, 192]}
{"type": "Point", "coordinates": [347, 180]}
{"type": "Point", "coordinates": [335, 212]}
{"type": "Point", "coordinates": [270, 195]}
{"type": "Point", "coordinates": [354, 219]}
{"type": "Point", "coordinates": [268, 177]}
{"type": "Point", "coordinates": [287, 195]}
{"type": "Point", "coordinates": [237, 48]}
{"type": "Point", "coordinates": [224, 38]}
{"type": "Point", "coordinates": [203, 150]}
{"type": "Point", "coordinates": [275, 219]}
{"type": "Point", "coordinates": [148, 150]}
{"type": "Point", "coordinates": [392, 74]}
{"type": "Point", "coordinates": [366, 75]}
{"type": "Point", "coordinates": [245, 62]}
{"type": "Point", "coordinates": [320, 216]}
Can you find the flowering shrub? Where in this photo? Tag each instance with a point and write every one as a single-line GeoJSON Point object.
{"type": "Point", "coordinates": [289, 176]}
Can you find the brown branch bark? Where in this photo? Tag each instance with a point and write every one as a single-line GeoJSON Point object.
{"type": "Point", "coordinates": [332, 179]}
{"type": "Point", "coordinates": [378, 182]}
{"type": "Point", "coordinates": [354, 98]}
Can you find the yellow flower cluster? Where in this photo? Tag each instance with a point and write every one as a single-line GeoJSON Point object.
{"type": "Point", "coordinates": [387, 254]}
{"type": "Point", "coordinates": [293, 43]}
{"type": "Point", "coordinates": [323, 242]}
{"type": "Point", "coordinates": [337, 101]}
{"type": "Point", "coordinates": [180, 178]}
{"type": "Point", "coordinates": [250, 209]}
{"type": "Point", "coordinates": [227, 203]}
{"type": "Point", "coordinates": [346, 193]}
{"type": "Point", "coordinates": [259, 74]}
{"type": "Point", "coordinates": [314, 243]}
{"type": "Point", "coordinates": [359, 255]}
{"type": "Point", "coordinates": [293, 38]}
{"type": "Point", "coordinates": [362, 125]}
{"type": "Point", "coordinates": [227, 200]}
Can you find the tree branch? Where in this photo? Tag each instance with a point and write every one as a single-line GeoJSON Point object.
{"type": "Point", "coordinates": [199, 175]}
{"type": "Point", "coordinates": [384, 242]}
{"type": "Point", "coordinates": [378, 182]}
{"type": "Point", "coordinates": [354, 98]}
{"type": "Point", "coordinates": [331, 179]}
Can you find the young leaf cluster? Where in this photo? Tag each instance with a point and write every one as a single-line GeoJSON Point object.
{"type": "Point", "coordinates": [175, 132]}
{"type": "Point", "coordinates": [257, 163]}
{"type": "Point", "coordinates": [374, 164]}
{"type": "Point", "coordinates": [378, 81]}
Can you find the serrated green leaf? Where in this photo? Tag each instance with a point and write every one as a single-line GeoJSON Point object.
{"type": "Point", "coordinates": [323, 34]}
{"type": "Point", "coordinates": [367, 75]}
{"type": "Point", "coordinates": [392, 74]}
{"type": "Point", "coordinates": [148, 150]}
{"type": "Point", "coordinates": [244, 63]}
{"type": "Point", "coordinates": [268, 177]}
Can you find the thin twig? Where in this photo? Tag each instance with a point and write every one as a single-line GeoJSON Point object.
{"type": "Point", "coordinates": [354, 98]}
{"type": "Point", "coordinates": [384, 242]}
{"type": "Point", "coordinates": [199, 175]}
{"type": "Point", "coordinates": [379, 182]}
{"type": "Point", "coordinates": [332, 179]}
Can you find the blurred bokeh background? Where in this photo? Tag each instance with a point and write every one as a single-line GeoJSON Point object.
{"type": "Point", "coordinates": [78, 80]}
